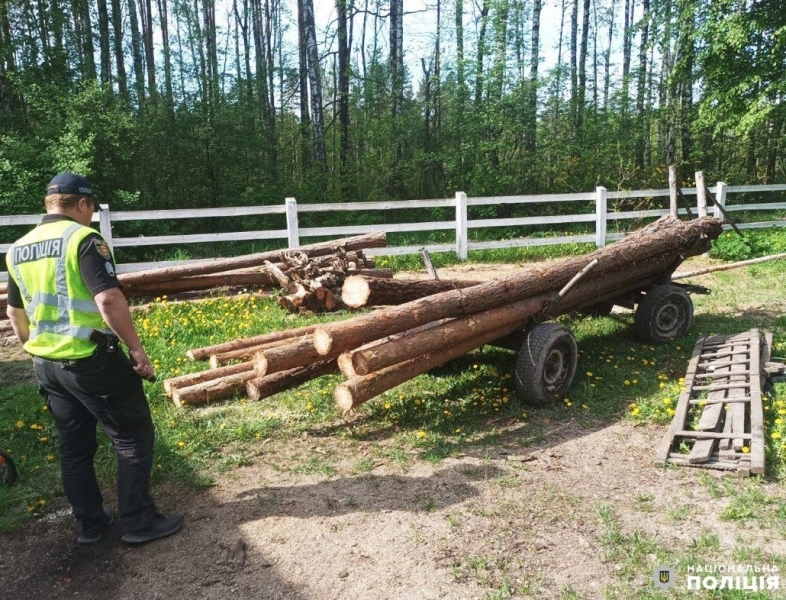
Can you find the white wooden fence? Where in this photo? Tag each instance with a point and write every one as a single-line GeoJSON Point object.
{"type": "Point", "coordinates": [597, 212]}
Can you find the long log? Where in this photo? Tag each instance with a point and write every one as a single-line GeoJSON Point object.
{"type": "Point", "coordinates": [370, 240]}
{"type": "Point", "coordinates": [243, 354]}
{"type": "Point", "coordinates": [362, 388]}
{"type": "Point", "coordinates": [298, 353]}
{"type": "Point", "coordinates": [359, 291]}
{"type": "Point", "coordinates": [262, 387]}
{"type": "Point", "coordinates": [183, 381]}
{"type": "Point", "coordinates": [205, 352]}
{"type": "Point", "coordinates": [210, 391]}
{"type": "Point", "coordinates": [452, 333]}
{"type": "Point", "coordinates": [644, 253]}
{"type": "Point", "coordinates": [201, 282]}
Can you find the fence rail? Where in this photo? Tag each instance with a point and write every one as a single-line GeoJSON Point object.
{"type": "Point", "coordinates": [597, 212]}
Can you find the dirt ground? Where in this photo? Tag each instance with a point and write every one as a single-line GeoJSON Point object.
{"type": "Point", "coordinates": [495, 520]}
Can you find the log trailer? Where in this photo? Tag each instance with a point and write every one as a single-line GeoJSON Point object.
{"type": "Point", "coordinates": [547, 353]}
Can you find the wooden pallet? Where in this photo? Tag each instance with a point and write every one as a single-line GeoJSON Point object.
{"type": "Point", "coordinates": [719, 421]}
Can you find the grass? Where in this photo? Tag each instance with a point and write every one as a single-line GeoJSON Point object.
{"type": "Point", "coordinates": [468, 403]}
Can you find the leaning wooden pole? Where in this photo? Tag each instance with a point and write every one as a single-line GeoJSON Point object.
{"type": "Point", "coordinates": [356, 391]}
{"type": "Point", "coordinates": [643, 253]}
{"type": "Point", "coordinates": [728, 266]}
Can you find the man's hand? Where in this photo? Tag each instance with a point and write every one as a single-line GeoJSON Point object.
{"type": "Point", "coordinates": [19, 323]}
{"type": "Point", "coordinates": [141, 364]}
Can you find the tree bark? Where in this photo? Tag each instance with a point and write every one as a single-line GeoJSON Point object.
{"type": "Point", "coordinates": [244, 354]}
{"type": "Point", "coordinates": [200, 282]}
{"type": "Point", "coordinates": [359, 290]}
{"type": "Point", "coordinates": [358, 390]}
{"type": "Point", "coordinates": [371, 240]}
{"type": "Point", "coordinates": [510, 317]}
{"type": "Point", "coordinates": [262, 387]}
{"type": "Point", "coordinates": [639, 253]}
{"type": "Point", "coordinates": [207, 351]}
{"type": "Point", "coordinates": [191, 379]}
{"type": "Point", "coordinates": [210, 391]}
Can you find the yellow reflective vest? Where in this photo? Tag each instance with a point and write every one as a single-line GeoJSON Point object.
{"type": "Point", "coordinates": [45, 266]}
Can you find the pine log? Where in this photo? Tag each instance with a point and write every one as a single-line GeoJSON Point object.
{"type": "Point", "coordinates": [298, 353]}
{"type": "Point", "coordinates": [447, 335]}
{"type": "Point", "coordinates": [202, 282]}
{"type": "Point", "coordinates": [370, 240]}
{"type": "Point", "coordinates": [183, 381]}
{"type": "Point", "coordinates": [279, 275]}
{"type": "Point", "coordinates": [242, 354]}
{"type": "Point", "coordinates": [344, 362]}
{"type": "Point", "coordinates": [210, 391]}
{"type": "Point", "coordinates": [643, 253]}
{"type": "Point", "coordinates": [362, 388]}
{"type": "Point", "coordinates": [359, 291]}
{"type": "Point", "coordinates": [371, 272]}
{"type": "Point", "coordinates": [262, 387]}
{"type": "Point", "coordinates": [205, 352]}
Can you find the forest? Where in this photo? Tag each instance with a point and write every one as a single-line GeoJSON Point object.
{"type": "Point", "coordinates": [199, 103]}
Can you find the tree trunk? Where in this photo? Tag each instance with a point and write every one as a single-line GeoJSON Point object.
{"type": "Point", "coordinates": [297, 353]}
{"type": "Point", "coordinates": [582, 92]}
{"type": "Point", "coordinates": [287, 334]}
{"type": "Point", "coordinates": [210, 391]}
{"type": "Point", "coordinates": [484, 12]}
{"type": "Point", "coordinates": [262, 387]}
{"type": "Point", "coordinates": [307, 149]}
{"type": "Point", "coordinates": [201, 282]}
{"type": "Point", "coordinates": [136, 52]}
{"type": "Point", "coordinates": [103, 42]}
{"type": "Point", "coordinates": [146, 11]}
{"type": "Point", "coordinates": [244, 354]}
{"type": "Point", "coordinates": [163, 12]}
{"type": "Point", "coordinates": [531, 112]}
{"type": "Point", "coordinates": [510, 317]}
{"type": "Point", "coordinates": [638, 253]}
{"type": "Point", "coordinates": [359, 291]}
{"type": "Point", "coordinates": [117, 30]}
{"type": "Point", "coordinates": [362, 388]}
{"type": "Point", "coordinates": [315, 80]}
{"type": "Point", "coordinates": [642, 75]}
{"type": "Point", "coordinates": [191, 379]}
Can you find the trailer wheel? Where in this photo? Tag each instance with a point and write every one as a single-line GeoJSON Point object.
{"type": "Point", "coordinates": [545, 364]}
{"type": "Point", "coordinates": [665, 313]}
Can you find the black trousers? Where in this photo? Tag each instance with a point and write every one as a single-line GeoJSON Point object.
{"type": "Point", "coordinates": [101, 389]}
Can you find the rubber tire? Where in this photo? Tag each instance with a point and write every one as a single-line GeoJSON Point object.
{"type": "Point", "coordinates": [665, 313]}
{"type": "Point", "coordinates": [545, 364]}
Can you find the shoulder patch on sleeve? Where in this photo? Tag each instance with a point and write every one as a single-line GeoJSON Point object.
{"type": "Point", "coordinates": [102, 248]}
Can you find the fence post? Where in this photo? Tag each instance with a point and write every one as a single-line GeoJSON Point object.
{"type": "Point", "coordinates": [461, 226]}
{"type": "Point", "coordinates": [601, 196]}
{"type": "Point", "coordinates": [720, 198]}
{"type": "Point", "coordinates": [673, 206]}
{"type": "Point", "coordinates": [105, 225]}
{"type": "Point", "coordinates": [701, 194]}
{"type": "Point", "coordinates": [293, 234]}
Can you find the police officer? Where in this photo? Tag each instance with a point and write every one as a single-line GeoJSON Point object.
{"type": "Point", "coordinates": [66, 307]}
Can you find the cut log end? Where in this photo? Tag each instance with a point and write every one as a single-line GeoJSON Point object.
{"type": "Point", "coordinates": [260, 364]}
{"type": "Point", "coordinates": [360, 363]}
{"type": "Point", "coordinates": [355, 291]}
{"type": "Point", "coordinates": [323, 341]}
{"type": "Point", "coordinates": [343, 397]}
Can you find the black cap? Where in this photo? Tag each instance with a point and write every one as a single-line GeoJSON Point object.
{"type": "Point", "coordinates": [69, 183]}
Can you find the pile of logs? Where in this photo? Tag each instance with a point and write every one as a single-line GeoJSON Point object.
{"type": "Point", "coordinates": [314, 284]}
{"type": "Point", "coordinates": [251, 269]}
{"type": "Point", "coordinates": [384, 348]}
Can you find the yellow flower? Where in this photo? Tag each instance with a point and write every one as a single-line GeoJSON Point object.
{"type": "Point", "coordinates": [589, 373]}
{"type": "Point", "coordinates": [50, 457]}
{"type": "Point", "coordinates": [387, 405]}
{"type": "Point", "coordinates": [458, 430]}
{"type": "Point", "coordinates": [20, 423]}
{"type": "Point", "coordinates": [745, 450]}
{"type": "Point", "coordinates": [776, 435]}
{"type": "Point", "coordinates": [181, 444]}
{"type": "Point", "coordinates": [421, 434]}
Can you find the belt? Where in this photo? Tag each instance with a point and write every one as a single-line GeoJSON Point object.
{"type": "Point", "coordinates": [66, 362]}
